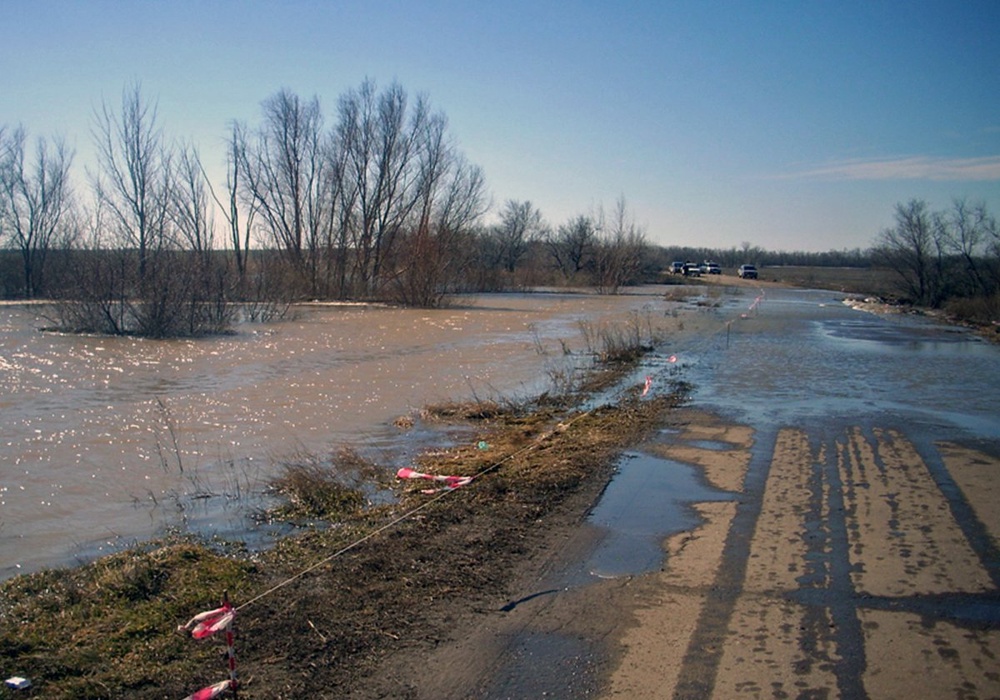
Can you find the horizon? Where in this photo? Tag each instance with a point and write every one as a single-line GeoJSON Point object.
{"type": "Point", "coordinates": [793, 127]}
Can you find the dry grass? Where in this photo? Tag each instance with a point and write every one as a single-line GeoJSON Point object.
{"type": "Point", "coordinates": [107, 629]}
{"type": "Point", "coordinates": [869, 281]}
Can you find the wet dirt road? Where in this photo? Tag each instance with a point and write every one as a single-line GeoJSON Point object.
{"type": "Point", "coordinates": [862, 557]}
{"type": "Point", "coordinates": [842, 540]}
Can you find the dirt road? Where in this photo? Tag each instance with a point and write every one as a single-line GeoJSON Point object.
{"type": "Point", "coordinates": [848, 572]}
{"type": "Point", "coordinates": [854, 560]}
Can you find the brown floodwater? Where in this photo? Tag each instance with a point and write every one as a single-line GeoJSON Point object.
{"type": "Point", "coordinates": [108, 441]}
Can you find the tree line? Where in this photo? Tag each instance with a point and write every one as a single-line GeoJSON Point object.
{"type": "Point", "coordinates": [379, 204]}
{"type": "Point", "coordinates": [948, 258]}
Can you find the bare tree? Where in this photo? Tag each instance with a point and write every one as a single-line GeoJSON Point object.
{"type": "Point", "coordinates": [238, 225]}
{"type": "Point", "coordinates": [464, 200]}
{"type": "Point", "coordinates": [967, 230]}
{"type": "Point", "coordinates": [134, 180]}
{"type": "Point", "coordinates": [36, 202]}
{"type": "Point", "coordinates": [146, 268]}
{"type": "Point", "coordinates": [913, 249]}
{"type": "Point", "coordinates": [377, 138]}
{"type": "Point", "coordinates": [337, 198]}
{"type": "Point", "coordinates": [281, 176]}
{"type": "Point", "coordinates": [190, 206]}
{"type": "Point", "coordinates": [572, 247]}
{"type": "Point", "coordinates": [416, 275]}
{"type": "Point", "coordinates": [520, 224]}
{"type": "Point", "coordinates": [451, 198]}
{"type": "Point", "coordinates": [619, 250]}
{"type": "Point", "coordinates": [103, 297]}
{"type": "Point", "coordinates": [992, 250]}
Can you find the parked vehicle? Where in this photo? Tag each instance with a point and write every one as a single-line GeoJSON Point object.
{"type": "Point", "coordinates": [747, 272]}
{"type": "Point", "coordinates": [692, 269]}
{"type": "Point", "coordinates": [711, 268]}
{"type": "Point", "coordinates": [677, 268]}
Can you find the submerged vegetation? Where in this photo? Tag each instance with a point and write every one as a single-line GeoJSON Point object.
{"type": "Point", "coordinates": [313, 489]}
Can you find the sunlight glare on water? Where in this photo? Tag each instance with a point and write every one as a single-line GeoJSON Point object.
{"type": "Point", "coordinates": [108, 440]}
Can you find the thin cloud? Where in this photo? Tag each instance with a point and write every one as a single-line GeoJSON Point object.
{"type": "Point", "coordinates": [909, 168]}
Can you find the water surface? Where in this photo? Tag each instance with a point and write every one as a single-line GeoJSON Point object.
{"type": "Point", "coordinates": [105, 441]}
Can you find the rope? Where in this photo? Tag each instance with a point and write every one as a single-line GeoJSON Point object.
{"type": "Point", "coordinates": [400, 518]}
{"type": "Point", "coordinates": [434, 499]}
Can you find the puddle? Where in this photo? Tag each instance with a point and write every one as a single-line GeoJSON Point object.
{"type": "Point", "coordinates": [648, 499]}
{"type": "Point", "coordinates": [714, 445]}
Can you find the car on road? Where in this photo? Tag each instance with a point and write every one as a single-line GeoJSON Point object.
{"type": "Point", "coordinates": [747, 272]}
{"type": "Point", "coordinates": [677, 268]}
{"type": "Point", "coordinates": [692, 269]}
{"type": "Point", "coordinates": [711, 268]}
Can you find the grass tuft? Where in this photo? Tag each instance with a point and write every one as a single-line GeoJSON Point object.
{"type": "Point", "coordinates": [316, 490]}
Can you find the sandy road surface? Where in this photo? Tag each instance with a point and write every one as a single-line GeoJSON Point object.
{"type": "Point", "coordinates": [850, 573]}
{"type": "Point", "coordinates": [846, 569]}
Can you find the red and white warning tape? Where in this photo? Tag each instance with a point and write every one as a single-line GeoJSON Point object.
{"type": "Point", "coordinates": [208, 623]}
{"type": "Point", "coordinates": [212, 691]}
{"type": "Point", "coordinates": [450, 482]}
{"type": "Point", "coordinates": [204, 625]}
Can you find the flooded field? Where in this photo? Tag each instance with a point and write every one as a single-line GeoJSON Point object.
{"type": "Point", "coordinates": [105, 441]}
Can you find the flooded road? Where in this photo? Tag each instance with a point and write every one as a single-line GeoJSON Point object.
{"type": "Point", "coordinates": [823, 521]}
{"type": "Point", "coordinates": [106, 441]}
{"type": "Point", "coordinates": [798, 358]}
{"type": "Point", "coordinates": [863, 558]}
{"type": "Point", "coordinates": [807, 357]}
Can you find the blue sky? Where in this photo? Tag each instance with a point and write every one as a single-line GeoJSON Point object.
{"type": "Point", "coordinates": [791, 125]}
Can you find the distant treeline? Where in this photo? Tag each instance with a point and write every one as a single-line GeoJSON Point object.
{"type": "Point", "coordinates": [754, 255]}
{"type": "Point", "coordinates": [539, 264]}
{"type": "Point", "coordinates": [378, 205]}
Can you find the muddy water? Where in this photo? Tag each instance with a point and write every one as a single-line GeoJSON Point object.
{"type": "Point", "coordinates": [105, 441]}
{"type": "Point", "coordinates": [802, 358]}
{"type": "Point", "coordinates": [806, 358]}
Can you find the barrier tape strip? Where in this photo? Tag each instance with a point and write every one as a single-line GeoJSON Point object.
{"type": "Point", "coordinates": [204, 625]}
{"type": "Point", "coordinates": [212, 691]}
{"type": "Point", "coordinates": [208, 623]}
{"type": "Point", "coordinates": [450, 482]}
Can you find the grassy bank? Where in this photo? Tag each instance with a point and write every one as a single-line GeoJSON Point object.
{"type": "Point", "coordinates": [323, 607]}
